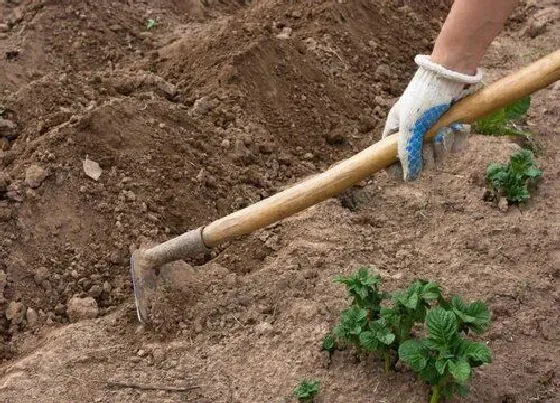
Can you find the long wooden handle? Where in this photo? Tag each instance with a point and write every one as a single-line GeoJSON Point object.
{"type": "Point", "coordinates": [380, 155]}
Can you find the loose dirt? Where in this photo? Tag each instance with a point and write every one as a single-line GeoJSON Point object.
{"type": "Point", "coordinates": [219, 105]}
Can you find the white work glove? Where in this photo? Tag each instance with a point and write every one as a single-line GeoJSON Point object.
{"type": "Point", "coordinates": [429, 94]}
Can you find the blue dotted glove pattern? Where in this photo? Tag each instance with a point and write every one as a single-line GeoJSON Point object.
{"type": "Point", "coordinates": [415, 141]}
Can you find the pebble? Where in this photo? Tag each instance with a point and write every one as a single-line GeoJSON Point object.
{"type": "Point", "coordinates": [60, 309]}
{"type": "Point", "coordinates": [82, 308]}
{"type": "Point", "coordinates": [503, 204]}
{"type": "Point", "coordinates": [285, 34]}
{"type": "Point", "coordinates": [264, 328]}
{"type": "Point", "coordinates": [225, 143]}
{"type": "Point", "coordinates": [34, 176]}
{"type": "Point", "coordinates": [41, 274]}
{"type": "Point", "coordinates": [31, 317]}
{"type": "Point", "coordinates": [95, 291]}
{"type": "Point", "coordinates": [15, 312]}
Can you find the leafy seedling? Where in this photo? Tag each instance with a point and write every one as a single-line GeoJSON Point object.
{"type": "Point", "coordinates": [502, 122]}
{"type": "Point", "coordinates": [353, 322]}
{"type": "Point", "coordinates": [512, 180]}
{"type": "Point", "coordinates": [329, 343]}
{"type": "Point", "coordinates": [378, 338]}
{"type": "Point", "coordinates": [444, 359]}
{"type": "Point", "coordinates": [363, 289]}
{"type": "Point", "coordinates": [306, 390]}
{"type": "Point", "coordinates": [151, 24]}
{"type": "Point", "coordinates": [410, 306]}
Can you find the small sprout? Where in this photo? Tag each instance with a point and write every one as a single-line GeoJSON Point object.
{"type": "Point", "coordinates": [329, 343]}
{"type": "Point", "coordinates": [512, 180]}
{"type": "Point", "coordinates": [151, 24]}
{"type": "Point", "coordinates": [306, 390]}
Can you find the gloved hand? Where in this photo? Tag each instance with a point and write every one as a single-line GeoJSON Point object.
{"type": "Point", "coordinates": [429, 94]}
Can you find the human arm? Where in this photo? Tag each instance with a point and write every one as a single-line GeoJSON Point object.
{"type": "Point", "coordinates": [442, 77]}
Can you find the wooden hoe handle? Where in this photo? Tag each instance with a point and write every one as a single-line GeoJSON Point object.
{"type": "Point", "coordinates": [380, 155]}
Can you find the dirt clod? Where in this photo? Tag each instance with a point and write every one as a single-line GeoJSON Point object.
{"type": "Point", "coordinates": [82, 308]}
{"type": "Point", "coordinates": [34, 176]}
{"type": "Point", "coordinates": [15, 313]}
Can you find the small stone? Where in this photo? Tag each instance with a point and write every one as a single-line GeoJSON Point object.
{"type": "Point", "coordinates": [60, 309]}
{"type": "Point", "coordinates": [34, 176]}
{"type": "Point", "coordinates": [225, 143]}
{"type": "Point", "coordinates": [107, 287]}
{"type": "Point", "coordinates": [15, 312]}
{"type": "Point", "coordinates": [95, 291]}
{"type": "Point", "coordinates": [82, 308]}
{"type": "Point", "coordinates": [92, 169]}
{"type": "Point", "coordinates": [503, 205]}
{"type": "Point", "coordinates": [85, 283]}
{"type": "Point", "coordinates": [141, 353]}
{"type": "Point", "coordinates": [41, 274]}
{"type": "Point", "coordinates": [285, 34]}
{"type": "Point", "coordinates": [383, 72]}
{"type": "Point", "coordinates": [264, 328]}
{"type": "Point", "coordinates": [158, 355]}
{"type": "Point", "coordinates": [31, 317]}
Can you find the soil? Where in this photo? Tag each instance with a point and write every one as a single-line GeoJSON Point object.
{"type": "Point", "coordinates": [219, 105]}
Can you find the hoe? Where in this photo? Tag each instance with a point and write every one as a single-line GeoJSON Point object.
{"type": "Point", "coordinates": [145, 262]}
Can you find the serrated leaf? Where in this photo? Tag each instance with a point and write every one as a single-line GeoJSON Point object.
{"type": "Point", "coordinates": [387, 338]}
{"type": "Point", "coordinates": [431, 291]}
{"type": "Point", "coordinates": [476, 353]}
{"type": "Point", "coordinates": [441, 364]}
{"type": "Point", "coordinates": [441, 325]}
{"type": "Point", "coordinates": [460, 370]}
{"type": "Point", "coordinates": [413, 354]}
{"type": "Point", "coordinates": [518, 109]}
{"type": "Point", "coordinates": [369, 341]}
{"type": "Point", "coordinates": [329, 343]}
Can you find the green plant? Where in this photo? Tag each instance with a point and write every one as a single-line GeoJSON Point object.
{"type": "Point", "coordinates": [410, 306]}
{"type": "Point", "coordinates": [353, 322]}
{"type": "Point", "coordinates": [151, 24]}
{"type": "Point", "coordinates": [363, 289]}
{"type": "Point", "coordinates": [378, 338]}
{"type": "Point", "coordinates": [306, 390]}
{"type": "Point", "coordinates": [473, 317]}
{"type": "Point", "coordinates": [329, 343]}
{"type": "Point", "coordinates": [444, 359]}
{"type": "Point", "coordinates": [512, 180]}
{"type": "Point", "coordinates": [500, 123]}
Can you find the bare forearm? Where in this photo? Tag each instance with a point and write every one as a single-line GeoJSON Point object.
{"type": "Point", "coordinates": [468, 30]}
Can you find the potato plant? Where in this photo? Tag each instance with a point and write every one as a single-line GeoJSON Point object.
{"type": "Point", "coordinates": [306, 390]}
{"type": "Point", "coordinates": [513, 179]}
{"type": "Point", "coordinates": [382, 324]}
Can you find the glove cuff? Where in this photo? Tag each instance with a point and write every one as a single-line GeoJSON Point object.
{"type": "Point", "coordinates": [426, 62]}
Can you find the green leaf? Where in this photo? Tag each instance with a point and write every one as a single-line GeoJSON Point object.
{"type": "Point", "coordinates": [441, 325]}
{"type": "Point", "coordinates": [369, 341]}
{"type": "Point", "coordinates": [306, 390]}
{"type": "Point", "coordinates": [151, 24]}
{"type": "Point", "coordinates": [413, 354]}
{"type": "Point", "coordinates": [476, 353]}
{"type": "Point", "coordinates": [475, 316]}
{"type": "Point", "coordinates": [518, 109]}
{"type": "Point", "coordinates": [386, 338]}
{"type": "Point", "coordinates": [441, 363]}
{"type": "Point", "coordinates": [329, 343]}
{"type": "Point", "coordinates": [431, 291]}
{"type": "Point", "coordinates": [460, 370]}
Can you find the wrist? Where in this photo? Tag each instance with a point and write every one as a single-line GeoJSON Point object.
{"type": "Point", "coordinates": [428, 64]}
{"type": "Point", "coordinates": [455, 62]}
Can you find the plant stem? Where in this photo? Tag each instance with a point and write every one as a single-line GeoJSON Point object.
{"type": "Point", "coordinates": [387, 356]}
{"type": "Point", "coordinates": [435, 394]}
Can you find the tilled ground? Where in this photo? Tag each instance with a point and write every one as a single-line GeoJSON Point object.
{"type": "Point", "coordinates": [222, 104]}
